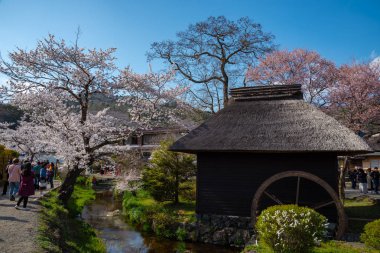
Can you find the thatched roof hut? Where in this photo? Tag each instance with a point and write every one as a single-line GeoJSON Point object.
{"type": "Point", "coordinates": [271, 119]}
{"type": "Point", "coordinates": [269, 147]}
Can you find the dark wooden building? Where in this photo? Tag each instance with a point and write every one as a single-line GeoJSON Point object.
{"type": "Point", "coordinates": [269, 147]}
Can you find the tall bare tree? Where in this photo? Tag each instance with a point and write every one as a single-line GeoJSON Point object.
{"type": "Point", "coordinates": [214, 51]}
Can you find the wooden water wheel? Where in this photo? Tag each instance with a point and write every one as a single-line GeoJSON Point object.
{"type": "Point", "coordinates": [299, 178]}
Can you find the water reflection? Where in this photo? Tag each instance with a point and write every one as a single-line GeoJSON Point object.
{"type": "Point", "coordinates": [123, 238]}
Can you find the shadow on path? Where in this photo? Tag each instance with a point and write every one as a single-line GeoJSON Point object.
{"type": "Point", "coordinates": [11, 204]}
{"type": "Point", "coordinates": [10, 218]}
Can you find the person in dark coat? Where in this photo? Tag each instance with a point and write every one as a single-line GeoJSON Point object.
{"type": "Point", "coordinates": [362, 179]}
{"type": "Point", "coordinates": [5, 188]}
{"type": "Point", "coordinates": [352, 174]}
{"type": "Point", "coordinates": [375, 177]}
{"type": "Point", "coordinates": [27, 186]}
{"type": "Point", "coordinates": [369, 179]}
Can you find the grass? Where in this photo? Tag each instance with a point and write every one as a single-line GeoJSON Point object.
{"type": "Point", "coordinates": [361, 207]}
{"type": "Point", "coordinates": [82, 196]}
{"type": "Point", "coordinates": [142, 199]}
{"type": "Point", "coordinates": [60, 230]}
{"type": "Point", "coordinates": [342, 247]}
{"type": "Point", "coordinates": [325, 247]}
{"type": "Point", "coordinates": [162, 218]}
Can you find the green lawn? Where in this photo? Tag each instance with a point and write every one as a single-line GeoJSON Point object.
{"type": "Point", "coordinates": [325, 247]}
{"type": "Point", "coordinates": [361, 207]}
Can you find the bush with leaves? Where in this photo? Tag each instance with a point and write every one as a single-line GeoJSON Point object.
{"type": "Point", "coordinates": [290, 228]}
{"type": "Point", "coordinates": [371, 234]}
{"type": "Point", "coordinates": [188, 190]}
{"type": "Point", "coordinates": [166, 172]}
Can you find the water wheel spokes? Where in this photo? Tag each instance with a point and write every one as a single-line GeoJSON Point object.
{"type": "Point", "coordinates": [273, 197]}
{"type": "Point", "coordinates": [333, 197]}
{"type": "Point", "coordinates": [316, 207]}
{"type": "Point", "coordinates": [298, 190]}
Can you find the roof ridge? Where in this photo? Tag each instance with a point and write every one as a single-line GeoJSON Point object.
{"type": "Point", "coordinates": [267, 92]}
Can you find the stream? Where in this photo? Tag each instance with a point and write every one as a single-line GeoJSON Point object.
{"type": "Point", "coordinates": [120, 237]}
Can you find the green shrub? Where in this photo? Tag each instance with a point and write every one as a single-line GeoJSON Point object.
{"type": "Point", "coordinates": [290, 228]}
{"type": "Point", "coordinates": [166, 171]}
{"type": "Point", "coordinates": [371, 234]}
{"type": "Point", "coordinates": [188, 190]}
{"type": "Point", "coordinates": [164, 224]}
{"type": "Point", "coordinates": [161, 218]}
{"type": "Point", "coordinates": [181, 234]}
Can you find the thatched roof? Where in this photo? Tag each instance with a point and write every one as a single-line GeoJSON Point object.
{"type": "Point", "coordinates": [271, 119]}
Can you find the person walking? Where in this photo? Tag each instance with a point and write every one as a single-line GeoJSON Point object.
{"type": "Point", "coordinates": [6, 183]}
{"type": "Point", "coordinates": [376, 178]}
{"type": "Point", "coordinates": [36, 169]}
{"type": "Point", "coordinates": [27, 186]}
{"type": "Point", "coordinates": [50, 175]}
{"type": "Point", "coordinates": [43, 175]}
{"type": "Point", "coordinates": [362, 179]}
{"type": "Point", "coordinates": [14, 171]}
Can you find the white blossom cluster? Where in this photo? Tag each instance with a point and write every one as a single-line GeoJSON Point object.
{"type": "Point", "coordinates": [54, 84]}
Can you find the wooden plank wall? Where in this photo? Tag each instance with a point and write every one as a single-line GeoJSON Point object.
{"type": "Point", "coordinates": [226, 182]}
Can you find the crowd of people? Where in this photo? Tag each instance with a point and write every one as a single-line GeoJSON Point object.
{"type": "Point", "coordinates": [368, 179]}
{"type": "Point", "coordinates": [25, 177]}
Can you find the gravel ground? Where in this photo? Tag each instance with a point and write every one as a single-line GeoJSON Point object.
{"type": "Point", "coordinates": [18, 228]}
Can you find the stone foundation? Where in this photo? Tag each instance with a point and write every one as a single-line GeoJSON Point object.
{"type": "Point", "coordinates": [222, 230]}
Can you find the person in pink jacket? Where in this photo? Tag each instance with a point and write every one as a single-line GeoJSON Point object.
{"type": "Point", "coordinates": [27, 186]}
{"type": "Point", "coordinates": [14, 171]}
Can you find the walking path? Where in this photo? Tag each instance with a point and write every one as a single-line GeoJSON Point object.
{"type": "Point", "coordinates": [18, 228]}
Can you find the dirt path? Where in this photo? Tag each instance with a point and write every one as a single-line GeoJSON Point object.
{"type": "Point", "coordinates": [18, 228]}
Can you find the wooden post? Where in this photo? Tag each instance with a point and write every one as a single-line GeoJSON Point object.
{"type": "Point", "coordinates": [342, 172]}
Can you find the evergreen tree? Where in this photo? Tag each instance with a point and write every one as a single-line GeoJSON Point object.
{"type": "Point", "coordinates": [166, 171]}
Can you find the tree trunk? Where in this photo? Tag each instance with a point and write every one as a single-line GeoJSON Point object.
{"type": "Point", "coordinates": [176, 200]}
{"type": "Point", "coordinates": [225, 95]}
{"type": "Point", "coordinates": [67, 187]}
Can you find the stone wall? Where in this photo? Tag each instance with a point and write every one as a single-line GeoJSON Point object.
{"type": "Point", "coordinates": [222, 230]}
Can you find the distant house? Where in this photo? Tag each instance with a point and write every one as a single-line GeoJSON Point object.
{"type": "Point", "coordinates": [372, 160]}
{"type": "Point", "coordinates": [147, 140]}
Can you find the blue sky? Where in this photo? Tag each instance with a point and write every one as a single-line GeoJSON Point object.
{"type": "Point", "coordinates": [339, 30]}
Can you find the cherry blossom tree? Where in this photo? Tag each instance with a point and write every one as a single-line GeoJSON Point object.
{"type": "Point", "coordinates": [27, 137]}
{"type": "Point", "coordinates": [54, 84]}
{"type": "Point", "coordinates": [355, 97]}
{"type": "Point", "coordinates": [214, 51]}
{"type": "Point", "coordinates": [299, 66]}
{"type": "Point", "coordinates": [355, 101]}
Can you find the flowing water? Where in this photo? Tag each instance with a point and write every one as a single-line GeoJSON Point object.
{"type": "Point", "coordinates": [120, 237]}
